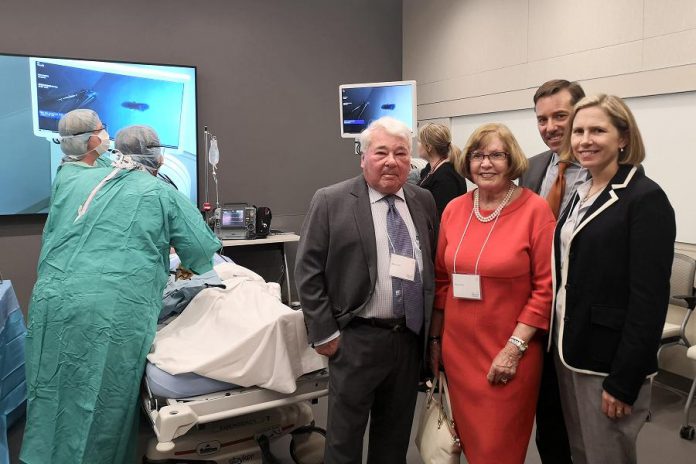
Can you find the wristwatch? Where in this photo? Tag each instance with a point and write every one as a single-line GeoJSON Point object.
{"type": "Point", "coordinates": [519, 343]}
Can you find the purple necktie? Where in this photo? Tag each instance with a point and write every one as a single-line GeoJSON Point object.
{"type": "Point", "coordinates": [407, 296]}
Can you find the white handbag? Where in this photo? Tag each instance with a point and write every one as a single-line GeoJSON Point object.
{"type": "Point", "coordinates": [437, 438]}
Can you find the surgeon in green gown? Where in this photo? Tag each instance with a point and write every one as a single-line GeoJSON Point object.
{"type": "Point", "coordinates": [84, 142]}
{"type": "Point", "coordinates": [84, 139]}
{"type": "Point", "coordinates": [92, 318]}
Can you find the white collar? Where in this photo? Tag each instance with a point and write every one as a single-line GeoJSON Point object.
{"type": "Point", "coordinates": [376, 196]}
{"type": "Point", "coordinates": [556, 158]}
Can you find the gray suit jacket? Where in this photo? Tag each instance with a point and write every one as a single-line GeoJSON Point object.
{"type": "Point", "coordinates": [533, 178]}
{"type": "Point", "coordinates": [336, 265]}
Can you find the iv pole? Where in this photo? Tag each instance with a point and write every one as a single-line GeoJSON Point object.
{"type": "Point", "coordinates": [206, 205]}
{"type": "Point", "coordinates": [209, 138]}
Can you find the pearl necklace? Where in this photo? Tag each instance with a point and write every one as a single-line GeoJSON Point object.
{"type": "Point", "coordinates": [497, 211]}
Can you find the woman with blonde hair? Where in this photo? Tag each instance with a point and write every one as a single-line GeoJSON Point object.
{"type": "Point", "coordinates": [439, 176]}
{"type": "Point", "coordinates": [613, 251]}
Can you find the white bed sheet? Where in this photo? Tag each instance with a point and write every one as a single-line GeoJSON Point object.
{"type": "Point", "coordinates": [242, 335]}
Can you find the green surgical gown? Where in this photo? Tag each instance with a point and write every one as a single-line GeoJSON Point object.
{"type": "Point", "coordinates": [103, 161]}
{"type": "Point", "coordinates": [94, 308]}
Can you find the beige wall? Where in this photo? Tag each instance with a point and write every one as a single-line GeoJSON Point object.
{"type": "Point", "coordinates": [483, 56]}
{"type": "Point", "coordinates": [480, 56]}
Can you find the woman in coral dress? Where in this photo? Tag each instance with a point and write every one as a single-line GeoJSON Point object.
{"type": "Point", "coordinates": [493, 299]}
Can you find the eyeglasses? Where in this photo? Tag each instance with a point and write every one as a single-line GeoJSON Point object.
{"type": "Point", "coordinates": [103, 127]}
{"type": "Point", "coordinates": [161, 148]}
{"type": "Point", "coordinates": [495, 157]}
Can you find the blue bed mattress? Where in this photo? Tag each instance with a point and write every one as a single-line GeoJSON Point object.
{"type": "Point", "coordinates": [185, 385]}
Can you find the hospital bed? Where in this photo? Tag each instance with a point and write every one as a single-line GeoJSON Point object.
{"type": "Point", "coordinates": [173, 417]}
{"type": "Point", "coordinates": [199, 419]}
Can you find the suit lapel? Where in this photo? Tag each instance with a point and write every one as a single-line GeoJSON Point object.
{"type": "Point", "coordinates": [418, 220]}
{"type": "Point", "coordinates": [608, 197]}
{"type": "Point", "coordinates": [421, 224]}
{"type": "Point", "coordinates": [543, 167]}
{"type": "Point", "coordinates": [362, 212]}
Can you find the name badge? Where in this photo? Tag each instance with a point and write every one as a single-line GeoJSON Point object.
{"type": "Point", "coordinates": [402, 267]}
{"type": "Point", "coordinates": [467, 286]}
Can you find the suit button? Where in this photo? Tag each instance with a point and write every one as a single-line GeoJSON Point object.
{"type": "Point", "coordinates": [567, 286]}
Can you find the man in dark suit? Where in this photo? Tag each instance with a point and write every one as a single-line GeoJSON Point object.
{"type": "Point", "coordinates": [553, 104]}
{"type": "Point", "coordinates": [365, 278]}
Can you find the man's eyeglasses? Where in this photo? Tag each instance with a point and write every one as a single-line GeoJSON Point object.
{"type": "Point", "coordinates": [103, 127]}
{"type": "Point", "coordinates": [495, 157]}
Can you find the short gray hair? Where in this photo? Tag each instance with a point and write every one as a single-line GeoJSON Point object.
{"type": "Point", "coordinates": [389, 125]}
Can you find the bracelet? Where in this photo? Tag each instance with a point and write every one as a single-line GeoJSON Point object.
{"type": "Point", "coordinates": [519, 343]}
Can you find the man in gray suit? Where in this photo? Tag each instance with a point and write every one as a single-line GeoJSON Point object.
{"type": "Point", "coordinates": [365, 277]}
{"type": "Point", "coordinates": [553, 104]}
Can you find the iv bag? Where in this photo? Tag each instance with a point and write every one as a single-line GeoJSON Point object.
{"type": "Point", "coordinates": [213, 153]}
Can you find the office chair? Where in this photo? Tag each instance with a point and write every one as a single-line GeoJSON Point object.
{"type": "Point", "coordinates": [681, 302]}
{"type": "Point", "coordinates": [681, 305]}
{"type": "Point", "coordinates": [687, 431]}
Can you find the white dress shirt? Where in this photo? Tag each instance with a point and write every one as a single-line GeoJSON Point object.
{"type": "Point", "coordinates": [380, 305]}
{"type": "Point", "coordinates": [572, 221]}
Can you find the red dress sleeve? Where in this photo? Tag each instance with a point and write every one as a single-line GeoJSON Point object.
{"type": "Point", "coordinates": [537, 311]}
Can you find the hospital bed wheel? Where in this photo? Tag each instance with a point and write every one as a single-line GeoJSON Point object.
{"type": "Point", "coordinates": [687, 432]}
{"type": "Point", "coordinates": [266, 455]}
{"type": "Point", "coordinates": [307, 445]}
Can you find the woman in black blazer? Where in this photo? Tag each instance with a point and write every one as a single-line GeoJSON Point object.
{"type": "Point", "coordinates": [439, 176]}
{"type": "Point", "coordinates": [613, 251]}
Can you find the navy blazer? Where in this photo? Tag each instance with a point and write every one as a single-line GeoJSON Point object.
{"type": "Point", "coordinates": [616, 275]}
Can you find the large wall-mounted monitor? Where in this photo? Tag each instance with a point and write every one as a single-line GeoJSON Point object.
{"type": "Point", "coordinates": [360, 104]}
{"type": "Point", "coordinates": [37, 91]}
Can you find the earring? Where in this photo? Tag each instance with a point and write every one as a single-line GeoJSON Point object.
{"type": "Point", "coordinates": [621, 150]}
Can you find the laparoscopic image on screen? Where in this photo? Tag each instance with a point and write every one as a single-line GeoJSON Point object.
{"type": "Point", "coordinates": [36, 92]}
{"type": "Point", "coordinates": [362, 105]}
